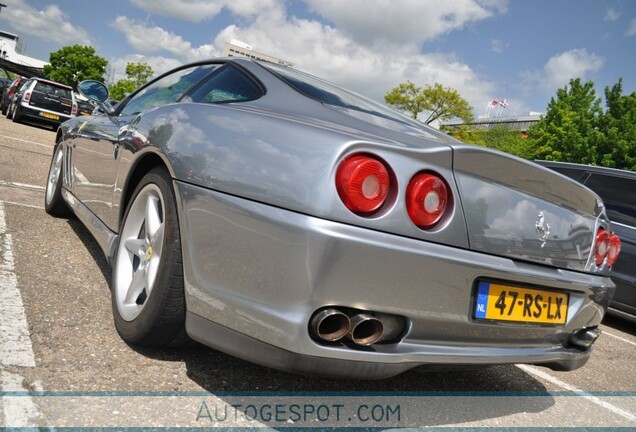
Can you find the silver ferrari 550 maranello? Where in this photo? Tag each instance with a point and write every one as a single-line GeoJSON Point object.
{"type": "Point", "coordinates": [287, 221]}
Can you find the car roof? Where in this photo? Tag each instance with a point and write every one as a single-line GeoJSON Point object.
{"type": "Point", "coordinates": [589, 168]}
{"type": "Point", "coordinates": [55, 83]}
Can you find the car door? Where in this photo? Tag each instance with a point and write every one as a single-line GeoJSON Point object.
{"type": "Point", "coordinates": [101, 142]}
{"type": "Point", "coordinates": [95, 158]}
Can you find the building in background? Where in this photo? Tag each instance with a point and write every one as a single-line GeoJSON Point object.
{"type": "Point", "coordinates": [236, 48]}
{"type": "Point", "coordinates": [12, 49]}
{"type": "Point", "coordinates": [520, 123]}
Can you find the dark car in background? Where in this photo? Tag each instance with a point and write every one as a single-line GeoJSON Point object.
{"type": "Point", "coordinates": [84, 106]}
{"type": "Point", "coordinates": [43, 101]}
{"type": "Point", "coordinates": [4, 84]}
{"type": "Point", "coordinates": [9, 91]}
{"type": "Point", "coordinates": [617, 188]}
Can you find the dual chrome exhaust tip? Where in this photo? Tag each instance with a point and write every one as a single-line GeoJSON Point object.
{"type": "Point", "coordinates": [361, 328]}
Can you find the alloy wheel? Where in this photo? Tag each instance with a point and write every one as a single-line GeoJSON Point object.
{"type": "Point", "coordinates": [139, 252]}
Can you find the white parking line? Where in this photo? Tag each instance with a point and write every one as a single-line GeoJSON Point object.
{"type": "Point", "coordinates": [619, 338]}
{"type": "Point", "coordinates": [27, 141]}
{"type": "Point", "coordinates": [21, 185]}
{"type": "Point", "coordinates": [24, 205]}
{"type": "Point", "coordinates": [565, 386]}
{"type": "Point", "coordinates": [16, 349]}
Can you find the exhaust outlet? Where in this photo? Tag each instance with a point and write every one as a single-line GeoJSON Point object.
{"type": "Point", "coordinates": [365, 329]}
{"type": "Point", "coordinates": [584, 338]}
{"type": "Point", "coordinates": [330, 325]}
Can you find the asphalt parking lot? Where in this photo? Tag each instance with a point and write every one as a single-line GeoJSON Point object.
{"type": "Point", "coordinates": [62, 363]}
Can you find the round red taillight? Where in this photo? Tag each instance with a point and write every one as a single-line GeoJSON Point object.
{"type": "Point", "coordinates": [601, 246]}
{"type": "Point", "coordinates": [427, 198]}
{"type": "Point", "coordinates": [363, 183]}
{"type": "Point", "coordinates": [614, 249]}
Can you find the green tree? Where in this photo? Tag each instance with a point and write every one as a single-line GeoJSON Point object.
{"type": "Point", "coordinates": [121, 89]}
{"type": "Point", "coordinates": [570, 129]}
{"type": "Point", "coordinates": [498, 137]}
{"type": "Point", "coordinates": [71, 64]}
{"type": "Point", "coordinates": [442, 103]}
{"type": "Point", "coordinates": [468, 134]}
{"type": "Point", "coordinates": [509, 140]}
{"type": "Point", "coordinates": [137, 74]}
{"type": "Point", "coordinates": [618, 125]}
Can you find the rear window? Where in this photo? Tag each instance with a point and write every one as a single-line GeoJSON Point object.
{"type": "Point", "coordinates": [51, 89]}
{"type": "Point", "coordinates": [618, 194]}
{"type": "Point", "coordinates": [331, 94]}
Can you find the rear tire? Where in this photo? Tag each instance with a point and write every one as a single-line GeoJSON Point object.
{"type": "Point", "coordinates": [147, 280]}
{"type": "Point", "coordinates": [17, 117]}
{"type": "Point", "coordinates": [54, 204]}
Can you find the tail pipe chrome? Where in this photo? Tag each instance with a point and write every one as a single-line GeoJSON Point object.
{"type": "Point", "coordinates": [365, 329]}
{"type": "Point", "coordinates": [330, 325]}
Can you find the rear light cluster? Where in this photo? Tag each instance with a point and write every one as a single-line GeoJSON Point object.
{"type": "Point", "coordinates": [74, 109]}
{"type": "Point", "coordinates": [26, 97]}
{"type": "Point", "coordinates": [426, 199]}
{"type": "Point", "coordinates": [365, 184]}
{"type": "Point", "coordinates": [606, 246]}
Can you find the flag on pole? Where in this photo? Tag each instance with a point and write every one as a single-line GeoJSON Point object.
{"type": "Point", "coordinates": [493, 103]}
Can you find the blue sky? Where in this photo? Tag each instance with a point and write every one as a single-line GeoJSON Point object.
{"type": "Point", "coordinates": [487, 49]}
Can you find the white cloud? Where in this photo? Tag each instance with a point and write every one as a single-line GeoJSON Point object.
{"type": "Point", "coordinates": [322, 50]}
{"type": "Point", "coordinates": [558, 71]}
{"type": "Point", "coordinates": [612, 15]}
{"type": "Point", "coordinates": [251, 8]}
{"type": "Point", "coordinates": [335, 56]}
{"type": "Point", "coordinates": [200, 10]}
{"type": "Point", "coordinates": [404, 21]}
{"type": "Point", "coordinates": [187, 10]}
{"type": "Point", "coordinates": [631, 31]}
{"type": "Point", "coordinates": [576, 63]}
{"type": "Point", "coordinates": [498, 46]}
{"type": "Point", "coordinates": [155, 39]}
{"type": "Point", "coordinates": [50, 23]}
{"type": "Point", "coordinates": [563, 67]}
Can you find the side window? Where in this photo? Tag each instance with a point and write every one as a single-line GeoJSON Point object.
{"type": "Point", "coordinates": [618, 194]}
{"type": "Point", "coordinates": [166, 90]}
{"type": "Point", "coordinates": [228, 84]}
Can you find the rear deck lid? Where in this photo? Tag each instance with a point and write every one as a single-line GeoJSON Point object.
{"type": "Point", "coordinates": [517, 209]}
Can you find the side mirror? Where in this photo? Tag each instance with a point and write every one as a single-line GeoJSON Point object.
{"type": "Point", "coordinates": [96, 92]}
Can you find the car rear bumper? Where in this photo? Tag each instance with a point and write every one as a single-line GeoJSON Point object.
{"type": "Point", "coordinates": [243, 346]}
{"type": "Point", "coordinates": [256, 274]}
{"type": "Point", "coordinates": [43, 115]}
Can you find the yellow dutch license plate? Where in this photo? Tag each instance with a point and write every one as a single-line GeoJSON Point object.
{"type": "Point", "coordinates": [509, 303]}
{"type": "Point", "coordinates": [50, 116]}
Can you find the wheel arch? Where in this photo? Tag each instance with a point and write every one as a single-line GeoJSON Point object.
{"type": "Point", "coordinates": [58, 136]}
{"type": "Point", "coordinates": [142, 166]}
